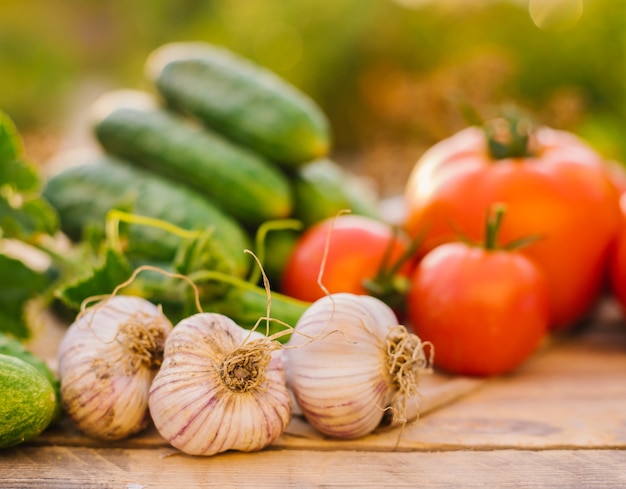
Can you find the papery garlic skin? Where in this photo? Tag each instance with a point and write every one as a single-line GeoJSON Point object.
{"type": "Point", "coordinates": [196, 411]}
{"type": "Point", "coordinates": [338, 366]}
{"type": "Point", "coordinates": [106, 362]}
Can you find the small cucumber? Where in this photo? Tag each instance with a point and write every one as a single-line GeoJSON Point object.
{"type": "Point", "coordinates": [323, 188]}
{"type": "Point", "coordinates": [28, 401]}
{"type": "Point", "coordinates": [15, 348]}
{"type": "Point", "coordinates": [84, 192]}
{"type": "Point", "coordinates": [244, 101]}
{"type": "Point", "coordinates": [129, 124]}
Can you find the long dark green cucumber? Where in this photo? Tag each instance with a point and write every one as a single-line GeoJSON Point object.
{"type": "Point", "coordinates": [246, 102]}
{"type": "Point", "coordinates": [129, 124]}
{"type": "Point", "coordinates": [84, 193]}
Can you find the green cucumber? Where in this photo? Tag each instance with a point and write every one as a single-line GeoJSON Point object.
{"type": "Point", "coordinates": [323, 188]}
{"type": "Point", "coordinates": [244, 101]}
{"type": "Point", "coordinates": [130, 125]}
{"type": "Point", "coordinates": [15, 348]}
{"type": "Point", "coordinates": [246, 304]}
{"type": "Point", "coordinates": [278, 247]}
{"type": "Point", "coordinates": [83, 193]}
{"type": "Point", "coordinates": [28, 401]}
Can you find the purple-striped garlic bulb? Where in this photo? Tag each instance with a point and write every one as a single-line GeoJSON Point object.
{"type": "Point", "coordinates": [221, 387]}
{"type": "Point", "coordinates": [107, 359]}
{"type": "Point", "coordinates": [349, 362]}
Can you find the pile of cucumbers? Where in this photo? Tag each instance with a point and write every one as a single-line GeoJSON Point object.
{"type": "Point", "coordinates": [220, 143]}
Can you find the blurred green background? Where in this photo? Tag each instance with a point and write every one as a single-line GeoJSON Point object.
{"type": "Point", "coordinates": [392, 76]}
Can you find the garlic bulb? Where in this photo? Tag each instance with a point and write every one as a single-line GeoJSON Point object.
{"type": "Point", "coordinates": [107, 360]}
{"type": "Point", "coordinates": [349, 361]}
{"type": "Point", "coordinates": [220, 387]}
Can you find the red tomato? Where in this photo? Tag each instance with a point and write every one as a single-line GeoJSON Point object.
{"type": "Point", "coordinates": [617, 268]}
{"type": "Point", "coordinates": [485, 311]}
{"type": "Point", "coordinates": [355, 253]}
{"type": "Point", "coordinates": [617, 174]}
{"type": "Point", "coordinates": [562, 193]}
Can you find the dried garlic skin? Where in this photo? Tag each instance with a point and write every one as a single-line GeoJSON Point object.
{"type": "Point", "coordinates": [221, 387]}
{"type": "Point", "coordinates": [107, 360]}
{"type": "Point", "coordinates": [349, 374]}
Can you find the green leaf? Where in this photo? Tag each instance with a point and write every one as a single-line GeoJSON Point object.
{"type": "Point", "coordinates": [24, 219]}
{"type": "Point", "coordinates": [10, 141]}
{"type": "Point", "coordinates": [201, 253]}
{"type": "Point", "coordinates": [18, 286]}
{"type": "Point", "coordinates": [23, 212]}
{"type": "Point", "coordinates": [102, 279]}
{"type": "Point", "coordinates": [20, 176]}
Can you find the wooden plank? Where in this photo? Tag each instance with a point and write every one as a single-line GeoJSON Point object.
{"type": "Point", "coordinates": [88, 468]}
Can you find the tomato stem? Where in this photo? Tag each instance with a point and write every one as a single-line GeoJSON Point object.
{"type": "Point", "coordinates": [492, 228]}
{"type": "Point", "coordinates": [492, 225]}
{"type": "Point", "coordinates": [388, 285]}
{"type": "Point", "coordinates": [508, 136]}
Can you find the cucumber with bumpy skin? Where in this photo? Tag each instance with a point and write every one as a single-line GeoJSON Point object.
{"type": "Point", "coordinates": [241, 99]}
{"type": "Point", "coordinates": [15, 348]}
{"type": "Point", "coordinates": [83, 193]}
{"type": "Point", "coordinates": [131, 125]}
{"type": "Point", "coordinates": [28, 401]}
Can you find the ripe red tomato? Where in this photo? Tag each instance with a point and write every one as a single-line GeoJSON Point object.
{"type": "Point", "coordinates": [485, 311]}
{"type": "Point", "coordinates": [617, 267]}
{"type": "Point", "coordinates": [561, 193]}
{"type": "Point", "coordinates": [356, 248]}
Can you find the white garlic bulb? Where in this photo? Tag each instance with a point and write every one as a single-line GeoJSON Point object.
{"type": "Point", "coordinates": [107, 360]}
{"type": "Point", "coordinates": [349, 361]}
{"type": "Point", "coordinates": [220, 388]}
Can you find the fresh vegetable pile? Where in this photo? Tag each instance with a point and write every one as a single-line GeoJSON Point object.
{"type": "Point", "coordinates": [211, 258]}
{"type": "Point", "coordinates": [221, 157]}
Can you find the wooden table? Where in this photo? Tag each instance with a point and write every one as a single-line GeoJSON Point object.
{"type": "Point", "coordinates": [559, 421]}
